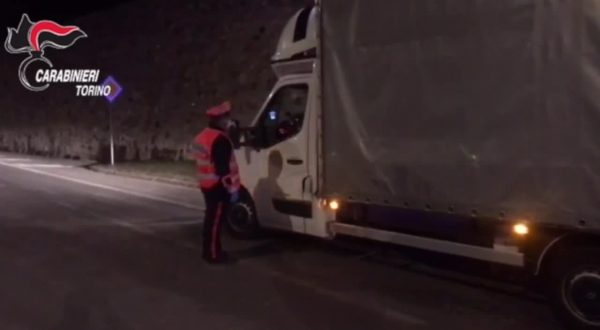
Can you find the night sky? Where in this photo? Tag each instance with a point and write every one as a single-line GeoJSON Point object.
{"type": "Point", "coordinates": [59, 10]}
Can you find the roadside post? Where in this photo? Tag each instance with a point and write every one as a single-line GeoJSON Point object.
{"type": "Point", "coordinates": [115, 91]}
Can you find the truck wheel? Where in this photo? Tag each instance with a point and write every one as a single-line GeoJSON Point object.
{"type": "Point", "coordinates": [575, 289]}
{"type": "Point", "coordinates": [242, 221]}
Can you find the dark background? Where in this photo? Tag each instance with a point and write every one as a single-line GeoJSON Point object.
{"type": "Point", "coordinates": [57, 10]}
{"type": "Point", "coordinates": [174, 59]}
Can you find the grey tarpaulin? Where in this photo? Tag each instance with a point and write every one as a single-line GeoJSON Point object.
{"type": "Point", "coordinates": [482, 105]}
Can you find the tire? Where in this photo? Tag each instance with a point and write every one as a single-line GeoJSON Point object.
{"type": "Point", "coordinates": [242, 221]}
{"type": "Point", "coordinates": [574, 288]}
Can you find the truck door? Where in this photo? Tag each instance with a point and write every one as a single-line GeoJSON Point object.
{"type": "Point", "coordinates": [280, 152]}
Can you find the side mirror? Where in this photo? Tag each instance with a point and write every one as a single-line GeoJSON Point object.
{"type": "Point", "coordinates": [250, 138]}
{"type": "Point", "coordinates": [243, 137]}
{"type": "Point", "coordinates": [234, 133]}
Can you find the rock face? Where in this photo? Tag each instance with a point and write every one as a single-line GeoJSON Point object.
{"type": "Point", "coordinates": [173, 58]}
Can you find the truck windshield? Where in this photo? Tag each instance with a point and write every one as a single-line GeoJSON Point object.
{"type": "Point", "coordinates": [284, 115]}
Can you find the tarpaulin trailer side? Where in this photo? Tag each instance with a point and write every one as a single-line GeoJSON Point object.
{"type": "Point", "coordinates": [480, 105]}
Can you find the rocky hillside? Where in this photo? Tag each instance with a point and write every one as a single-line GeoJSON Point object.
{"type": "Point", "coordinates": [174, 58]}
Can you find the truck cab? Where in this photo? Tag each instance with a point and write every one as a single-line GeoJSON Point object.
{"type": "Point", "coordinates": [276, 153]}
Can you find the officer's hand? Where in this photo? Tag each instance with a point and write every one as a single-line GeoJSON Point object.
{"type": "Point", "coordinates": [235, 197]}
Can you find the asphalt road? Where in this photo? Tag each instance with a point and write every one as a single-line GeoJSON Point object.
{"type": "Point", "coordinates": [82, 250]}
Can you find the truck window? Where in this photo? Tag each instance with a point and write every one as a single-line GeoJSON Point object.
{"type": "Point", "coordinates": [284, 115]}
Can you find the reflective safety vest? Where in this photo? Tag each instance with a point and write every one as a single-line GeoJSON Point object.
{"type": "Point", "coordinates": [207, 172]}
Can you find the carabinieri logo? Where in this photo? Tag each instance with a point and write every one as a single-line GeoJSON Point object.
{"type": "Point", "coordinates": [32, 38]}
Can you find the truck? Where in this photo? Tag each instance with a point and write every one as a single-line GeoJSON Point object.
{"type": "Point", "coordinates": [469, 128]}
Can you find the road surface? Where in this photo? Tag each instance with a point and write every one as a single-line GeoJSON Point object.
{"type": "Point", "coordinates": [83, 250]}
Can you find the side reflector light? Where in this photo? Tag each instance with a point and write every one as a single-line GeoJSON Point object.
{"type": "Point", "coordinates": [334, 205]}
{"type": "Point", "coordinates": [521, 229]}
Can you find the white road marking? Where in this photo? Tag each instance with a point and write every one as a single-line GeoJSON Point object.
{"type": "Point", "coordinates": [15, 159]}
{"type": "Point", "coordinates": [101, 186]}
{"type": "Point", "coordinates": [41, 165]}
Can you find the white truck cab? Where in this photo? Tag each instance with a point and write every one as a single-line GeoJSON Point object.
{"type": "Point", "coordinates": [277, 158]}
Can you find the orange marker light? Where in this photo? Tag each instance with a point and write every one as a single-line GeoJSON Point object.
{"type": "Point", "coordinates": [521, 229]}
{"type": "Point", "coordinates": [334, 205]}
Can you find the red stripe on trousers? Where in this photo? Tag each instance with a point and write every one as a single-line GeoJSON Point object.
{"type": "Point", "coordinates": [215, 230]}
